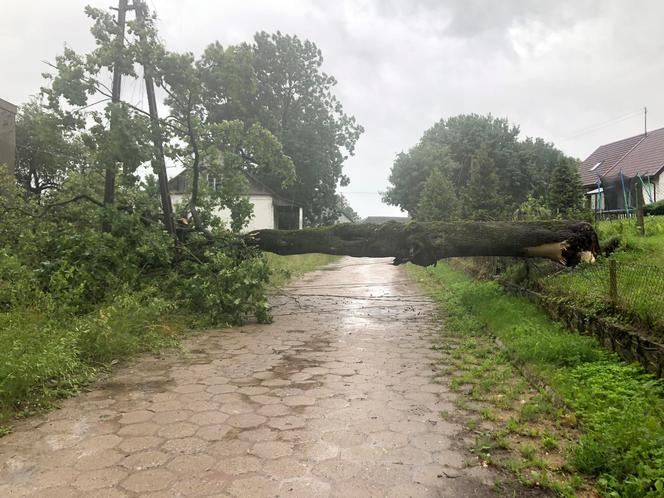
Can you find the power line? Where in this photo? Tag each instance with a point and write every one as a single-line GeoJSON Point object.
{"type": "Point", "coordinates": [598, 126]}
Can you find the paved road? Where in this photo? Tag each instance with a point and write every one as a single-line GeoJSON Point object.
{"type": "Point", "coordinates": [335, 398]}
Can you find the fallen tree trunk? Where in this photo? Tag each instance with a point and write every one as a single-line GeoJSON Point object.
{"type": "Point", "coordinates": [424, 243]}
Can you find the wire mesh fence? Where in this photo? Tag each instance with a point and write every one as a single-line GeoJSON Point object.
{"type": "Point", "coordinates": [633, 289]}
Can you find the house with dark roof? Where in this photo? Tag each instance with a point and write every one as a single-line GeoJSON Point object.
{"type": "Point", "coordinates": [270, 209]}
{"type": "Point", "coordinates": [614, 172]}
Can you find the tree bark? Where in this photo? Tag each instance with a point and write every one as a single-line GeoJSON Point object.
{"type": "Point", "coordinates": [424, 243]}
{"type": "Point", "coordinates": [159, 163]}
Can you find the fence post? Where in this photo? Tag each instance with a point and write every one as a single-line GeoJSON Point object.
{"type": "Point", "coordinates": [640, 224]}
{"type": "Point", "coordinates": [613, 282]}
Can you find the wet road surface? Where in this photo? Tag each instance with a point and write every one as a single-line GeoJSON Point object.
{"type": "Point", "coordinates": [335, 398]}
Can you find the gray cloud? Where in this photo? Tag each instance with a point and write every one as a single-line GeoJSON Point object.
{"type": "Point", "coordinates": [556, 68]}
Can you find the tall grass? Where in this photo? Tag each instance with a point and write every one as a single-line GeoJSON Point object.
{"type": "Point", "coordinates": [621, 408]}
{"type": "Point", "coordinates": [46, 357]}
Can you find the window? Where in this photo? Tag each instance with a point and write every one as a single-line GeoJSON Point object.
{"type": "Point", "coordinates": [212, 182]}
{"type": "Point", "coordinates": [596, 166]}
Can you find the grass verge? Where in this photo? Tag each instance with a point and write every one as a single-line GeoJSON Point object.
{"type": "Point", "coordinates": [584, 416]}
{"type": "Point", "coordinates": [46, 356]}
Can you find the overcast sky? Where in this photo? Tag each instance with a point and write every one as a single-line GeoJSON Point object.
{"type": "Point", "coordinates": [575, 72]}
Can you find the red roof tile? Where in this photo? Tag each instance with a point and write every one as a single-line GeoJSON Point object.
{"type": "Point", "coordinates": [646, 159]}
{"type": "Point", "coordinates": [607, 156]}
{"type": "Point", "coordinates": [639, 155]}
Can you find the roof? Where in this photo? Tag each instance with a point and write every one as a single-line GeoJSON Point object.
{"type": "Point", "coordinates": [345, 215]}
{"type": "Point", "coordinates": [607, 156]}
{"type": "Point", "coordinates": [377, 220]}
{"type": "Point", "coordinates": [256, 187]}
{"type": "Point", "coordinates": [8, 106]}
{"type": "Point", "coordinates": [639, 155]}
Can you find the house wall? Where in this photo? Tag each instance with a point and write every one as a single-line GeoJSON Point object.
{"type": "Point", "coordinates": [596, 202]}
{"type": "Point", "coordinates": [263, 216]}
{"type": "Point", "coordinates": [654, 191]}
{"type": "Point", "coordinates": [8, 134]}
{"type": "Point", "coordinates": [263, 213]}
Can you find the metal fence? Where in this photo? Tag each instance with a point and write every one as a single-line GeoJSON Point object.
{"type": "Point", "coordinates": [633, 289]}
{"type": "Point", "coordinates": [615, 214]}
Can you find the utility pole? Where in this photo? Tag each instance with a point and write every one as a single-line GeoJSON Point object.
{"type": "Point", "coordinates": [645, 121]}
{"type": "Point", "coordinates": [159, 163]}
{"type": "Point", "coordinates": [109, 182]}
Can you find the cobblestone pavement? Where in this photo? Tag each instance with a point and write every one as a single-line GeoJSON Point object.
{"type": "Point", "coordinates": [335, 398]}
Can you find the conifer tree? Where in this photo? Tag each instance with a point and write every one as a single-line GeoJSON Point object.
{"type": "Point", "coordinates": [438, 201]}
{"type": "Point", "coordinates": [482, 200]}
{"type": "Point", "coordinates": [565, 188]}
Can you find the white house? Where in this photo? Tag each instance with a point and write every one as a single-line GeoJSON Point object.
{"type": "Point", "coordinates": [613, 173]}
{"type": "Point", "coordinates": [271, 210]}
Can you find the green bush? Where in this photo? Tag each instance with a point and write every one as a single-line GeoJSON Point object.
{"type": "Point", "coordinates": [19, 286]}
{"type": "Point", "coordinates": [222, 289]}
{"type": "Point", "coordinates": [624, 415]}
{"type": "Point", "coordinates": [74, 298]}
{"type": "Point", "coordinates": [655, 209]}
{"type": "Point", "coordinates": [130, 324]}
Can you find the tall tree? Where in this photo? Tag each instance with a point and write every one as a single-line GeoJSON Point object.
{"type": "Point", "coordinates": [412, 169]}
{"type": "Point", "coordinates": [78, 92]}
{"type": "Point", "coordinates": [438, 201]}
{"type": "Point", "coordinates": [288, 93]}
{"type": "Point", "coordinates": [481, 199]}
{"type": "Point", "coordinates": [521, 167]}
{"type": "Point", "coordinates": [565, 188]}
{"type": "Point", "coordinates": [224, 149]}
{"type": "Point", "coordinates": [46, 149]}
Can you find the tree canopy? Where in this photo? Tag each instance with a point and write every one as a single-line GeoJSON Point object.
{"type": "Point", "coordinates": [490, 170]}
{"type": "Point", "coordinates": [438, 201]}
{"type": "Point", "coordinates": [278, 81]}
{"type": "Point", "coordinates": [47, 149]}
{"type": "Point", "coordinates": [265, 108]}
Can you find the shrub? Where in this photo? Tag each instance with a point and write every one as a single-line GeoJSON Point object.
{"type": "Point", "coordinates": [655, 209]}
{"type": "Point", "coordinates": [18, 283]}
{"type": "Point", "coordinates": [222, 289]}
{"type": "Point", "coordinates": [74, 298]}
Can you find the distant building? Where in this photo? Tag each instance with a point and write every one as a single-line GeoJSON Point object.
{"type": "Point", "coordinates": [344, 218]}
{"type": "Point", "coordinates": [377, 220]}
{"type": "Point", "coordinates": [8, 134]}
{"type": "Point", "coordinates": [614, 172]}
{"type": "Point", "coordinates": [271, 210]}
